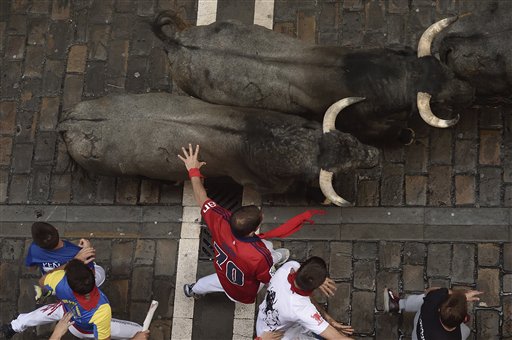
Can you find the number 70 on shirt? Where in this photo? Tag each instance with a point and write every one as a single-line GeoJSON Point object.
{"type": "Point", "coordinates": [233, 273]}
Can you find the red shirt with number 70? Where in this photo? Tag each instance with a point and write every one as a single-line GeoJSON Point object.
{"type": "Point", "coordinates": [241, 263]}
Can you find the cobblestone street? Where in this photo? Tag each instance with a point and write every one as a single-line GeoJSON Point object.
{"type": "Point", "coordinates": [434, 213]}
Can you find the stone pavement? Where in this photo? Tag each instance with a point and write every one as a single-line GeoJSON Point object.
{"type": "Point", "coordinates": [433, 213]}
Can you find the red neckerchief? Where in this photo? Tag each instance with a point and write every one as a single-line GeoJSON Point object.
{"type": "Point", "coordinates": [295, 289]}
{"type": "Point", "coordinates": [292, 225]}
{"type": "Point", "coordinates": [88, 304]}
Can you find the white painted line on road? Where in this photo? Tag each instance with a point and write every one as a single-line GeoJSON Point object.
{"type": "Point", "coordinates": [187, 265]}
{"type": "Point", "coordinates": [206, 12]}
{"type": "Point", "coordinates": [264, 13]}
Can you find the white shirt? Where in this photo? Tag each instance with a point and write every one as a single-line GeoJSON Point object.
{"type": "Point", "coordinates": [287, 311]}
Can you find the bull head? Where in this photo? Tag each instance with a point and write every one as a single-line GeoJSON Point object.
{"type": "Point", "coordinates": [478, 50]}
{"type": "Point", "coordinates": [368, 156]}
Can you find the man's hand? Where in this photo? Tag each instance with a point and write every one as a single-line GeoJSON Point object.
{"type": "Point", "coordinates": [471, 295]}
{"type": "Point", "coordinates": [86, 255]}
{"type": "Point", "coordinates": [328, 288]}
{"type": "Point", "coordinates": [141, 336]}
{"type": "Point", "coordinates": [84, 243]}
{"type": "Point", "coordinates": [190, 158]}
{"type": "Point", "coordinates": [274, 335]}
{"type": "Point", "coordinates": [62, 326]}
{"type": "Point", "coordinates": [343, 329]}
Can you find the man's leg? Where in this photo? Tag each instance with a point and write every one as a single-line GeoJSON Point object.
{"type": "Point", "coordinates": [40, 316]}
{"type": "Point", "coordinates": [412, 303]}
{"type": "Point", "coordinates": [279, 256]}
{"type": "Point", "coordinates": [121, 329]}
{"type": "Point", "coordinates": [207, 284]}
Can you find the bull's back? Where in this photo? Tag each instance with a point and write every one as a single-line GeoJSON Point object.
{"type": "Point", "coordinates": [231, 63]}
{"type": "Point", "coordinates": [142, 134]}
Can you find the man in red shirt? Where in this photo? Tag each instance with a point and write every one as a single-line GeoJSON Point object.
{"type": "Point", "coordinates": [243, 260]}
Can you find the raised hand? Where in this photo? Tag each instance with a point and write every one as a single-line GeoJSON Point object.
{"type": "Point", "coordinates": [328, 288]}
{"type": "Point", "coordinates": [141, 335]}
{"type": "Point", "coordinates": [471, 295]}
{"type": "Point", "coordinates": [86, 255]}
{"type": "Point", "coordinates": [62, 326]}
{"type": "Point", "coordinates": [190, 158]}
{"type": "Point", "coordinates": [84, 243]}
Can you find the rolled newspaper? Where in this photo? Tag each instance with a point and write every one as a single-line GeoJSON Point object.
{"type": "Point", "coordinates": [149, 316]}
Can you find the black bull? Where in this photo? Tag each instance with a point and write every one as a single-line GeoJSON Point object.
{"type": "Point", "coordinates": [250, 66]}
{"type": "Point", "coordinates": [143, 134]}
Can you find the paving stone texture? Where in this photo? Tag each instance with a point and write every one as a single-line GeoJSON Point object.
{"type": "Point", "coordinates": [436, 212]}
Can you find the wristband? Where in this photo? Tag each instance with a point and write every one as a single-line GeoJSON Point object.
{"type": "Point", "coordinates": [194, 172]}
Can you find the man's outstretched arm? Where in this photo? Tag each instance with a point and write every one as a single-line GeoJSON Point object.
{"type": "Point", "coordinates": [191, 162]}
{"type": "Point", "coordinates": [335, 330]}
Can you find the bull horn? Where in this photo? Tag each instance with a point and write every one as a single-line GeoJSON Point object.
{"type": "Point", "coordinates": [328, 191]}
{"type": "Point", "coordinates": [423, 102]}
{"type": "Point", "coordinates": [430, 33]}
{"type": "Point", "coordinates": [333, 111]}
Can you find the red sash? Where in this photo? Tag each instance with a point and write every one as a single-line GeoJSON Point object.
{"type": "Point", "coordinates": [292, 225]}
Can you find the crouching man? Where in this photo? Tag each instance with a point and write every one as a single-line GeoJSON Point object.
{"type": "Point", "coordinates": [74, 285]}
{"type": "Point", "coordinates": [440, 313]}
{"type": "Point", "coordinates": [288, 306]}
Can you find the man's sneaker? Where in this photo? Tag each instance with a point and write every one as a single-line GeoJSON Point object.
{"type": "Point", "coordinates": [7, 331]}
{"type": "Point", "coordinates": [391, 301]}
{"type": "Point", "coordinates": [284, 255]}
{"type": "Point", "coordinates": [187, 289]}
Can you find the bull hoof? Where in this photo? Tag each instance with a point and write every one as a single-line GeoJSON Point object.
{"type": "Point", "coordinates": [406, 136]}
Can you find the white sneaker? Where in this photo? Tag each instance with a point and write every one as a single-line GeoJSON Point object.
{"type": "Point", "coordinates": [187, 289]}
{"type": "Point", "coordinates": [283, 256]}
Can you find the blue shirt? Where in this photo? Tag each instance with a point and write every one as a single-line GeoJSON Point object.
{"type": "Point", "coordinates": [49, 259]}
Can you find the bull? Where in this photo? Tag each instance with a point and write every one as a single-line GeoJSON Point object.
{"type": "Point", "coordinates": [231, 63]}
{"type": "Point", "coordinates": [264, 149]}
{"type": "Point", "coordinates": [479, 50]}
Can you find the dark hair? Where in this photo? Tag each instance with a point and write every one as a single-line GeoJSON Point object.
{"type": "Point", "coordinates": [80, 277]}
{"type": "Point", "coordinates": [245, 220]}
{"type": "Point", "coordinates": [454, 310]}
{"type": "Point", "coordinates": [45, 235]}
{"type": "Point", "coordinates": [311, 273]}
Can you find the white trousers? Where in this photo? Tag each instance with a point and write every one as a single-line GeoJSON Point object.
{"type": "Point", "coordinates": [211, 283]}
{"type": "Point", "coordinates": [120, 329]}
{"type": "Point", "coordinates": [413, 303]}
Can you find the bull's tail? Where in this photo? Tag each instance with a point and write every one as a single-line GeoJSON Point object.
{"type": "Point", "coordinates": [173, 21]}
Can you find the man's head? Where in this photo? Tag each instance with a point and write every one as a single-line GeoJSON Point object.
{"type": "Point", "coordinates": [454, 310]}
{"type": "Point", "coordinates": [45, 235]}
{"type": "Point", "coordinates": [80, 277]}
{"type": "Point", "coordinates": [245, 220]}
{"type": "Point", "coordinates": [311, 274]}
